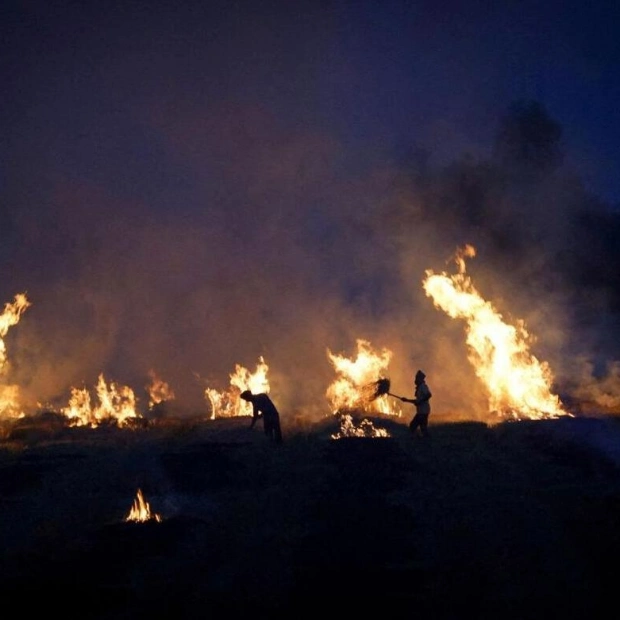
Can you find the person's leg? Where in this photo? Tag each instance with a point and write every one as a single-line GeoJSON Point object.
{"type": "Point", "coordinates": [424, 425]}
{"type": "Point", "coordinates": [277, 431]}
{"type": "Point", "coordinates": [267, 428]}
{"type": "Point", "coordinates": [413, 425]}
{"type": "Point", "coordinates": [270, 428]}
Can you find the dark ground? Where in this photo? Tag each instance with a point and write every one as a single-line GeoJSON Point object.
{"type": "Point", "coordinates": [520, 520]}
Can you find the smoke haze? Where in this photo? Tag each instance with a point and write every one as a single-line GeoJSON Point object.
{"type": "Point", "coordinates": [188, 190]}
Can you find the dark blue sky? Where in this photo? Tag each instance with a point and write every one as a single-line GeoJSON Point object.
{"type": "Point", "coordinates": [185, 185]}
{"type": "Point", "coordinates": [83, 82]}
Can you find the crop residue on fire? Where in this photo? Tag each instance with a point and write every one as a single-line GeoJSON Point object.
{"type": "Point", "coordinates": [311, 201]}
{"type": "Point", "coordinates": [192, 188]}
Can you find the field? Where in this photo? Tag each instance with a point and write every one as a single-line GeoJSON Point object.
{"type": "Point", "coordinates": [518, 520]}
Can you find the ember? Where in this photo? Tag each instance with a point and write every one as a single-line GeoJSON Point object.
{"type": "Point", "coordinates": [364, 429]}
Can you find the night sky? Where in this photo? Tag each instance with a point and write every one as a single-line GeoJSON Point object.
{"type": "Point", "coordinates": [189, 186]}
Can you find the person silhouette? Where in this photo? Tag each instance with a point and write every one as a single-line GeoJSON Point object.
{"type": "Point", "coordinates": [263, 407]}
{"type": "Point", "coordinates": [422, 405]}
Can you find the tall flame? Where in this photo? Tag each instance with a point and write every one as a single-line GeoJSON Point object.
{"type": "Point", "coordinates": [227, 403]}
{"type": "Point", "coordinates": [518, 384]}
{"type": "Point", "coordinates": [9, 394]}
{"type": "Point", "coordinates": [350, 389]}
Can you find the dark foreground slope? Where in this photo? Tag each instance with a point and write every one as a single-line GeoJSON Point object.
{"type": "Point", "coordinates": [516, 521]}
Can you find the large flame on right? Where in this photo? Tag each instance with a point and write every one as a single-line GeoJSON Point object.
{"type": "Point", "coordinates": [518, 384]}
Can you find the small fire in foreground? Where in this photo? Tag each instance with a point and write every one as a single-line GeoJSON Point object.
{"type": "Point", "coordinates": [364, 429]}
{"type": "Point", "coordinates": [354, 387]}
{"type": "Point", "coordinates": [227, 404]}
{"type": "Point", "coordinates": [141, 511]}
{"type": "Point", "coordinates": [518, 384]}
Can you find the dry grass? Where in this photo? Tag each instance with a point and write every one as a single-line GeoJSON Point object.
{"type": "Point", "coordinates": [514, 521]}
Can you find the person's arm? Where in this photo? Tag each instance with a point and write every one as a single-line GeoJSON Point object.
{"type": "Point", "coordinates": [255, 415]}
{"type": "Point", "coordinates": [407, 400]}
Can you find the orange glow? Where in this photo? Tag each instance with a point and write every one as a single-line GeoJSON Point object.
{"type": "Point", "coordinates": [518, 384]}
{"type": "Point", "coordinates": [158, 390]}
{"type": "Point", "coordinates": [141, 511]}
{"type": "Point", "coordinates": [116, 404]}
{"type": "Point", "coordinates": [9, 394]}
{"type": "Point", "coordinates": [350, 390]}
{"type": "Point", "coordinates": [227, 403]}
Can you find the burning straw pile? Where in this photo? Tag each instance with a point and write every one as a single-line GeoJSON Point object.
{"type": "Point", "coordinates": [378, 388]}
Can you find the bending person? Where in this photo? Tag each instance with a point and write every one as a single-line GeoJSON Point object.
{"type": "Point", "coordinates": [263, 407]}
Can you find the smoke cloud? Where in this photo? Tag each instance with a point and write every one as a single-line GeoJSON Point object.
{"type": "Point", "coordinates": [181, 209]}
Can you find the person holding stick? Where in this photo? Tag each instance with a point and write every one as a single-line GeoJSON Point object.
{"type": "Point", "coordinates": [422, 405]}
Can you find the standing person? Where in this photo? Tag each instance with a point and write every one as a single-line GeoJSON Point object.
{"type": "Point", "coordinates": [263, 407]}
{"type": "Point", "coordinates": [422, 404]}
